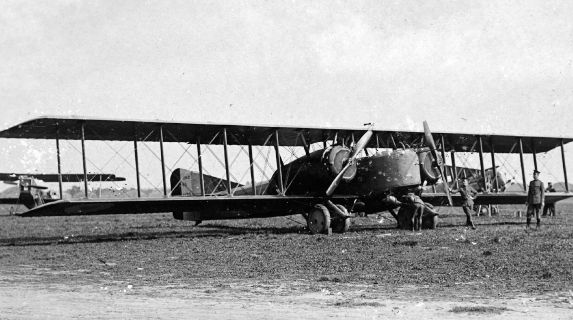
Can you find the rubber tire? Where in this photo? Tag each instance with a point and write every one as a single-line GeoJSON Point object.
{"type": "Point", "coordinates": [318, 220]}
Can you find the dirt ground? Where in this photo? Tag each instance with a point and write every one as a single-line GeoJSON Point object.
{"type": "Point", "coordinates": [151, 266]}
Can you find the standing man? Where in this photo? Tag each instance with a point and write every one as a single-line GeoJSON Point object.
{"type": "Point", "coordinates": [535, 198]}
{"type": "Point", "coordinates": [468, 193]}
{"type": "Point", "coordinates": [550, 207]}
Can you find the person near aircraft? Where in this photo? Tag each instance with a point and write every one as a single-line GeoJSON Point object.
{"type": "Point", "coordinates": [393, 203]}
{"type": "Point", "coordinates": [413, 210]}
{"type": "Point", "coordinates": [549, 209]}
{"type": "Point", "coordinates": [535, 198]}
{"type": "Point", "coordinates": [468, 193]}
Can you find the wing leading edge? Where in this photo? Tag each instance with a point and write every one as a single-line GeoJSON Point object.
{"type": "Point", "coordinates": [128, 130]}
{"type": "Point", "coordinates": [211, 208]}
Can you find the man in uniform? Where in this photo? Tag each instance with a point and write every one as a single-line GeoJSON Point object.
{"type": "Point", "coordinates": [535, 198]}
{"type": "Point", "coordinates": [468, 193]}
{"type": "Point", "coordinates": [550, 207]}
{"type": "Point", "coordinates": [411, 212]}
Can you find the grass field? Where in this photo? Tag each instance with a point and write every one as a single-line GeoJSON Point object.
{"type": "Point", "coordinates": [501, 257]}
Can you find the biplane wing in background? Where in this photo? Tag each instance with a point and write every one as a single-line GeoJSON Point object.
{"type": "Point", "coordinates": [66, 177]}
{"type": "Point", "coordinates": [323, 184]}
{"type": "Point", "coordinates": [32, 193]}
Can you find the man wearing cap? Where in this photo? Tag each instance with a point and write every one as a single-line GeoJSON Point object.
{"type": "Point", "coordinates": [468, 193]}
{"type": "Point", "coordinates": [535, 198]}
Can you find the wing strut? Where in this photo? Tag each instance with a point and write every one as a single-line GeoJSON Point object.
{"type": "Point", "coordinates": [136, 155]}
{"type": "Point", "coordinates": [454, 170]}
{"type": "Point", "coordinates": [200, 163]}
{"type": "Point", "coordinates": [226, 153]}
{"type": "Point", "coordinates": [521, 163]}
{"type": "Point", "coordinates": [84, 161]}
{"type": "Point", "coordinates": [59, 161]}
{"type": "Point", "coordinates": [564, 167]}
{"type": "Point", "coordinates": [252, 169]}
{"type": "Point", "coordinates": [481, 166]}
{"type": "Point", "coordinates": [494, 182]}
{"type": "Point", "coordinates": [162, 160]}
{"type": "Point", "coordinates": [279, 163]}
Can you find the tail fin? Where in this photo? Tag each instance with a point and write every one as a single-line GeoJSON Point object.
{"type": "Point", "coordinates": [185, 183]}
{"type": "Point", "coordinates": [188, 183]}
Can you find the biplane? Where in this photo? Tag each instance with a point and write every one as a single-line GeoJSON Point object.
{"type": "Point", "coordinates": [33, 193]}
{"type": "Point", "coordinates": [336, 169]}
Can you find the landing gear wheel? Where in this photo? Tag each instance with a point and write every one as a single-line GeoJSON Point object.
{"type": "Point", "coordinates": [481, 210]}
{"type": "Point", "coordinates": [340, 224]}
{"type": "Point", "coordinates": [318, 220]}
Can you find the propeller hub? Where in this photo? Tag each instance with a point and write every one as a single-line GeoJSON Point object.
{"type": "Point", "coordinates": [336, 158]}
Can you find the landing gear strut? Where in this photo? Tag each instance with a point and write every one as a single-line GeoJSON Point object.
{"type": "Point", "coordinates": [341, 224]}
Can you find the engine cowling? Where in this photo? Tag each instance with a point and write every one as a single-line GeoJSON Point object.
{"type": "Point", "coordinates": [334, 158]}
{"type": "Point", "coordinates": [428, 171]}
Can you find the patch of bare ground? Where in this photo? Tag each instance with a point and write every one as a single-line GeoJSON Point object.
{"type": "Point", "coordinates": [276, 262]}
{"type": "Point", "coordinates": [479, 309]}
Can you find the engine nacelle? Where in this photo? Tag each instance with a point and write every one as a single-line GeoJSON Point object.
{"type": "Point", "coordinates": [371, 175]}
{"type": "Point", "coordinates": [311, 175]}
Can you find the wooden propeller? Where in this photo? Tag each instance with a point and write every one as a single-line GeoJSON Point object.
{"type": "Point", "coordinates": [438, 162]}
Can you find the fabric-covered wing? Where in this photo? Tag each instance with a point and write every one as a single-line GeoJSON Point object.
{"type": "Point", "coordinates": [439, 199]}
{"type": "Point", "coordinates": [129, 130]}
{"type": "Point", "coordinates": [217, 207]}
{"type": "Point", "coordinates": [66, 177]}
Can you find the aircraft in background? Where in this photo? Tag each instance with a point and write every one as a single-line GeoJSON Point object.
{"type": "Point", "coordinates": [324, 185]}
{"type": "Point", "coordinates": [32, 193]}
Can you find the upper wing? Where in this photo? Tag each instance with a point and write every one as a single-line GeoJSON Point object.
{"type": "Point", "coordinates": [66, 177]}
{"type": "Point", "coordinates": [129, 130]}
{"type": "Point", "coordinates": [494, 198]}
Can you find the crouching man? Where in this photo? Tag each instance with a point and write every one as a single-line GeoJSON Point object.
{"type": "Point", "coordinates": [415, 214]}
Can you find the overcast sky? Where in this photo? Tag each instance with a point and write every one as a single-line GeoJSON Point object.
{"type": "Point", "coordinates": [479, 66]}
{"type": "Point", "coordinates": [467, 66]}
